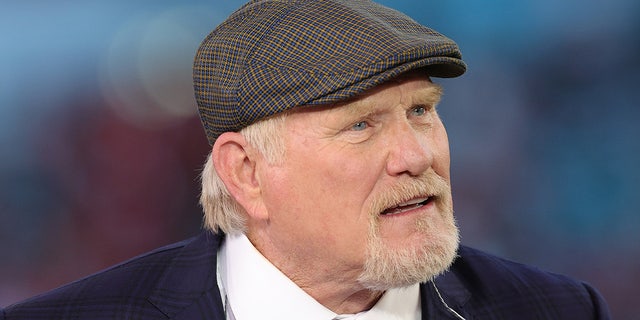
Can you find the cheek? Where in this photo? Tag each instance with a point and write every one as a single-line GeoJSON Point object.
{"type": "Point", "coordinates": [333, 189]}
{"type": "Point", "coordinates": [338, 185]}
{"type": "Point", "coordinates": [321, 207]}
{"type": "Point", "coordinates": [302, 186]}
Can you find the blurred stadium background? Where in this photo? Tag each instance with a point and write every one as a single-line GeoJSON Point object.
{"type": "Point", "coordinates": [100, 144]}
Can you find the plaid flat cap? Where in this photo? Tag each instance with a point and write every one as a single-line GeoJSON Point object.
{"type": "Point", "coordinates": [271, 56]}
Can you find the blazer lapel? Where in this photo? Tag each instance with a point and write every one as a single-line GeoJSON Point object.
{"type": "Point", "coordinates": [453, 293]}
{"type": "Point", "coordinates": [188, 289]}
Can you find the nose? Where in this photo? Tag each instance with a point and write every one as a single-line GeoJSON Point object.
{"type": "Point", "coordinates": [410, 151]}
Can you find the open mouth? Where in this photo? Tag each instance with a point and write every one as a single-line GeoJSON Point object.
{"type": "Point", "coordinates": [408, 206]}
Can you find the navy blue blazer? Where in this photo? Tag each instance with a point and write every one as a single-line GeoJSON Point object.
{"type": "Point", "coordinates": [179, 282]}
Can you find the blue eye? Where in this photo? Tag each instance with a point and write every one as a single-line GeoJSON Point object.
{"type": "Point", "coordinates": [359, 126]}
{"type": "Point", "coordinates": [419, 111]}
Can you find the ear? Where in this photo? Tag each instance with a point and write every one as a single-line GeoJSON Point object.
{"type": "Point", "coordinates": [235, 163]}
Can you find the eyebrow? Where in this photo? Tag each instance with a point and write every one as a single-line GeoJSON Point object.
{"type": "Point", "coordinates": [429, 96]}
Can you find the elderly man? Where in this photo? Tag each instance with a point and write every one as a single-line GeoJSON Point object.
{"type": "Point", "coordinates": [326, 194]}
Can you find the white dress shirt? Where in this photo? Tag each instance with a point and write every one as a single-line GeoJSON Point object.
{"type": "Point", "coordinates": [253, 288]}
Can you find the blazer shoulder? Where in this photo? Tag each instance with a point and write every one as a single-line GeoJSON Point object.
{"type": "Point", "coordinates": [108, 294]}
{"type": "Point", "coordinates": [525, 289]}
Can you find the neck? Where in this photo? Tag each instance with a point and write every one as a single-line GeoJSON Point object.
{"type": "Point", "coordinates": [336, 292]}
{"type": "Point", "coordinates": [333, 286]}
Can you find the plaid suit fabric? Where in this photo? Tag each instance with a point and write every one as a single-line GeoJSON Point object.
{"type": "Point", "coordinates": [179, 282]}
{"type": "Point", "coordinates": [483, 286]}
{"type": "Point", "coordinates": [271, 56]}
{"type": "Point", "coordinates": [174, 282]}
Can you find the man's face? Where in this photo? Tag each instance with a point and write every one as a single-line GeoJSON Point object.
{"type": "Point", "coordinates": [363, 191]}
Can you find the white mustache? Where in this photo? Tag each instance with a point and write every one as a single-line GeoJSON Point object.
{"type": "Point", "coordinates": [406, 192]}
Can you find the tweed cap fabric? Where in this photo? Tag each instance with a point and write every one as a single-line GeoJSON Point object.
{"type": "Point", "coordinates": [271, 56]}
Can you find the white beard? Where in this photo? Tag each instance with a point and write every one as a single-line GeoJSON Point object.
{"type": "Point", "coordinates": [432, 253]}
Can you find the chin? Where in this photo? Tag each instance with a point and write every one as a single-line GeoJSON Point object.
{"type": "Point", "coordinates": [427, 254]}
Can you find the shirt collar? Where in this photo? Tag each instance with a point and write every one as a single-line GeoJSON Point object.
{"type": "Point", "coordinates": [256, 289]}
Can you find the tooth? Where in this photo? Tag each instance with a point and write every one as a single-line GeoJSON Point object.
{"type": "Point", "coordinates": [409, 205]}
{"type": "Point", "coordinates": [412, 202]}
